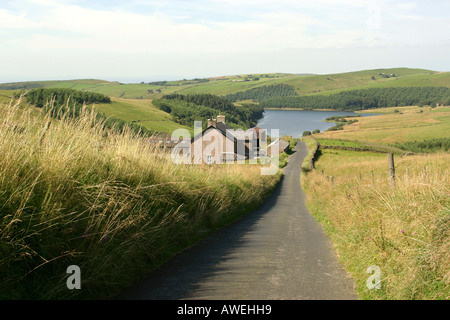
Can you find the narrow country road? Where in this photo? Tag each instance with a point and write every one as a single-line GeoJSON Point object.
{"type": "Point", "coordinates": [278, 252]}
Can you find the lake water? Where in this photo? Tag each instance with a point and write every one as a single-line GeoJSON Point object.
{"type": "Point", "coordinates": [294, 122]}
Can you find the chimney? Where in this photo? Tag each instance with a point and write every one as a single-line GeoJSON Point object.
{"type": "Point", "coordinates": [221, 118]}
{"type": "Point", "coordinates": [212, 122]}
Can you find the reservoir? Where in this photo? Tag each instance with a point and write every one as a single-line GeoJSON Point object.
{"type": "Point", "coordinates": [294, 122]}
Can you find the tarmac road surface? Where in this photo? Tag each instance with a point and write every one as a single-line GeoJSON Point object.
{"type": "Point", "coordinates": [278, 252]}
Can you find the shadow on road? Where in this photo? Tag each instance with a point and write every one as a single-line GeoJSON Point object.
{"type": "Point", "coordinates": [278, 251]}
{"type": "Point", "coordinates": [182, 274]}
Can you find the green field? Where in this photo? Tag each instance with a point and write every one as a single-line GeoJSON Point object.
{"type": "Point", "coordinates": [5, 95]}
{"type": "Point", "coordinates": [132, 102]}
{"type": "Point", "coordinates": [376, 147]}
{"type": "Point", "coordinates": [303, 84]}
{"type": "Point", "coordinates": [325, 85]}
{"type": "Point", "coordinates": [218, 86]}
{"type": "Point", "coordinates": [409, 124]}
{"type": "Point", "coordinates": [142, 112]}
{"type": "Point", "coordinates": [139, 111]}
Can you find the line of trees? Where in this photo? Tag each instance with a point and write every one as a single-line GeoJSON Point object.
{"type": "Point", "coordinates": [41, 96]}
{"type": "Point", "coordinates": [206, 100]}
{"type": "Point", "coordinates": [69, 103]}
{"type": "Point", "coordinates": [185, 109]}
{"type": "Point", "coordinates": [365, 99]}
{"type": "Point", "coordinates": [426, 146]}
{"type": "Point", "coordinates": [273, 91]}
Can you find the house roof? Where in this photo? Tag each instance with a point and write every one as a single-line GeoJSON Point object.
{"type": "Point", "coordinates": [221, 127]}
{"type": "Point", "coordinates": [282, 144]}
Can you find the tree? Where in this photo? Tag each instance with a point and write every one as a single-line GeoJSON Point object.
{"type": "Point", "coordinates": [306, 133]}
{"type": "Point", "coordinates": [164, 107]}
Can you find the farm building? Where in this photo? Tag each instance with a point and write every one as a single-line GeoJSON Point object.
{"type": "Point", "coordinates": [220, 143]}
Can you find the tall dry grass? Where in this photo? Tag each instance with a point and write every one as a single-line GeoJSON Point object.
{"type": "Point", "coordinates": [72, 193]}
{"type": "Point", "coordinates": [403, 229]}
{"type": "Point", "coordinates": [313, 145]}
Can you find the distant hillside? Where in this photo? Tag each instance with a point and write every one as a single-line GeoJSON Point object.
{"type": "Point", "coordinates": [139, 113]}
{"type": "Point", "coordinates": [88, 84]}
{"type": "Point", "coordinates": [185, 109]}
{"type": "Point", "coordinates": [133, 102]}
{"type": "Point", "coordinates": [362, 99]}
{"type": "Point", "coordinates": [439, 79]}
{"type": "Point", "coordinates": [263, 93]}
{"type": "Point", "coordinates": [324, 84]}
{"type": "Point", "coordinates": [303, 84]}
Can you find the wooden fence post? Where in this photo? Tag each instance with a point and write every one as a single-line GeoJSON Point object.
{"type": "Point", "coordinates": [391, 168]}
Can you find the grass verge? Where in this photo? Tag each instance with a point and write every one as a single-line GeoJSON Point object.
{"type": "Point", "coordinates": [72, 193]}
{"type": "Point", "coordinates": [313, 146]}
{"type": "Point", "coordinates": [403, 229]}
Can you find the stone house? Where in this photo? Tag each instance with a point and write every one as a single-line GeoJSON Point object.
{"type": "Point", "coordinates": [219, 143]}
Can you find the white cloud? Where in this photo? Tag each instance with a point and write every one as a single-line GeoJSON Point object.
{"type": "Point", "coordinates": [69, 26]}
{"type": "Point", "coordinates": [158, 35]}
{"type": "Point", "coordinates": [406, 5]}
{"type": "Point", "coordinates": [284, 23]}
{"type": "Point", "coordinates": [10, 20]}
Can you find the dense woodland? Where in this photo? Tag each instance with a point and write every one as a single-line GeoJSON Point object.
{"type": "Point", "coordinates": [365, 99]}
{"type": "Point", "coordinates": [185, 109]}
{"type": "Point", "coordinates": [259, 94]}
{"type": "Point", "coordinates": [68, 102]}
{"type": "Point", "coordinates": [40, 97]}
{"type": "Point", "coordinates": [426, 146]}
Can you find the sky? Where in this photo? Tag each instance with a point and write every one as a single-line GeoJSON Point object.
{"type": "Point", "coordinates": [149, 40]}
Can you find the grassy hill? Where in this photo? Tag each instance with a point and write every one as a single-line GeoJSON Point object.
{"type": "Point", "coordinates": [133, 102]}
{"type": "Point", "coordinates": [218, 86]}
{"type": "Point", "coordinates": [141, 112]}
{"type": "Point", "coordinates": [303, 84]}
{"type": "Point", "coordinates": [89, 84]}
{"type": "Point", "coordinates": [408, 124]}
{"type": "Point", "coordinates": [407, 80]}
{"type": "Point", "coordinates": [6, 95]}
